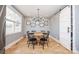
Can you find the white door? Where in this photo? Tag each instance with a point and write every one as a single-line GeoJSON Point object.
{"type": "Point", "coordinates": [65, 27]}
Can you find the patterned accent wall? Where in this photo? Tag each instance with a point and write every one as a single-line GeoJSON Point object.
{"type": "Point", "coordinates": [42, 24]}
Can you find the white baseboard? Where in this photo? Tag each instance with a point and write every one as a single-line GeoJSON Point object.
{"type": "Point", "coordinates": [13, 43]}
{"type": "Point", "coordinates": [74, 51]}
{"type": "Point", "coordinates": [55, 39]}
{"type": "Point", "coordinates": [58, 42]}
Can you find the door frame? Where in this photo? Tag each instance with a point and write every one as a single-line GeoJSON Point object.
{"type": "Point", "coordinates": [71, 29]}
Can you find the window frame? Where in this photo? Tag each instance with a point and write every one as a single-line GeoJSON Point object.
{"type": "Point", "coordinates": [14, 22]}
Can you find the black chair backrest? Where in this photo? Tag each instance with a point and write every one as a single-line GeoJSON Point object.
{"type": "Point", "coordinates": [33, 31]}
{"type": "Point", "coordinates": [27, 33]}
{"type": "Point", "coordinates": [48, 32]}
{"type": "Point", "coordinates": [46, 35]}
{"type": "Point", "coordinates": [43, 31]}
{"type": "Point", "coordinates": [30, 35]}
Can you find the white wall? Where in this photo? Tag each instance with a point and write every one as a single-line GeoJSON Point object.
{"type": "Point", "coordinates": [54, 26]}
{"type": "Point", "coordinates": [65, 23]}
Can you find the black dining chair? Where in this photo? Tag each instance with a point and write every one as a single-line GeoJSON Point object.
{"type": "Point", "coordinates": [44, 39]}
{"type": "Point", "coordinates": [42, 31]}
{"type": "Point", "coordinates": [48, 32]}
{"type": "Point", "coordinates": [27, 35]}
{"type": "Point", "coordinates": [33, 31]}
{"type": "Point", "coordinates": [31, 39]}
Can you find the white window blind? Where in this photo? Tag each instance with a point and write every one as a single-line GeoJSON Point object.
{"type": "Point", "coordinates": [13, 21]}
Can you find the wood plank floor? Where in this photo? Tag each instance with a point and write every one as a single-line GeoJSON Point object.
{"type": "Point", "coordinates": [22, 48]}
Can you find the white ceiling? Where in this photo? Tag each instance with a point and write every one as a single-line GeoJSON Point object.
{"type": "Point", "coordinates": [45, 10]}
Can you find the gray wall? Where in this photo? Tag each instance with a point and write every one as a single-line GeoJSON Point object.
{"type": "Point", "coordinates": [54, 26]}
{"type": "Point", "coordinates": [77, 27]}
{"type": "Point", "coordinates": [13, 37]}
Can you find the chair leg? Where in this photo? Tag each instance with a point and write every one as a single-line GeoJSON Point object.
{"type": "Point", "coordinates": [47, 44]}
{"type": "Point", "coordinates": [39, 43]}
{"type": "Point", "coordinates": [28, 45]}
{"type": "Point", "coordinates": [43, 46]}
{"type": "Point", "coordinates": [33, 46]}
{"type": "Point", "coordinates": [27, 42]}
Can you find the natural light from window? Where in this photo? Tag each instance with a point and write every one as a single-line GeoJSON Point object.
{"type": "Point", "coordinates": [13, 21]}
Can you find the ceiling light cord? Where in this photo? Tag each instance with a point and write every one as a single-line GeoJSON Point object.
{"type": "Point", "coordinates": [38, 12]}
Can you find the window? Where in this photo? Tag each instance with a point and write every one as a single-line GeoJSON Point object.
{"type": "Point", "coordinates": [13, 21]}
{"type": "Point", "coordinates": [9, 27]}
